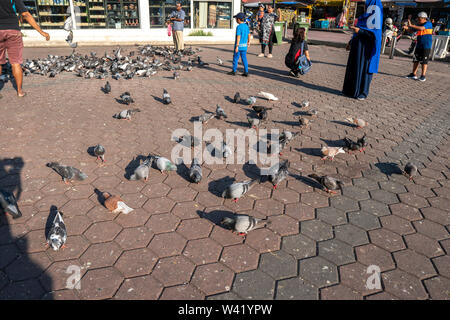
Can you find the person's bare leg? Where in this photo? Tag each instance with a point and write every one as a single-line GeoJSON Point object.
{"type": "Point", "coordinates": [18, 76]}
{"type": "Point", "coordinates": [424, 69]}
{"type": "Point", "coordinates": [415, 68]}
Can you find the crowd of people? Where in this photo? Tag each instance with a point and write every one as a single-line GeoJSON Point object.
{"type": "Point", "coordinates": [364, 47]}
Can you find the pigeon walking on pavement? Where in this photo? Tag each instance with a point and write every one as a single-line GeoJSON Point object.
{"type": "Point", "coordinates": [327, 182]}
{"type": "Point", "coordinates": [410, 170]}
{"type": "Point", "coordinates": [126, 114]}
{"type": "Point", "coordinates": [237, 97]}
{"type": "Point", "coordinates": [241, 223]}
{"type": "Point", "coordinates": [195, 171]}
{"type": "Point", "coordinates": [220, 112]}
{"type": "Point", "coordinates": [281, 174]}
{"type": "Point", "coordinates": [142, 171]}
{"type": "Point", "coordinates": [107, 88]}
{"type": "Point", "coordinates": [166, 97]}
{"type": "Point", "coordinates": [100, 151]}
{"type": "Point", "coordinates": [67, 173]}
{"type": "Point", "coordinates": [331, 152]}
{"type": "Point", "coordinates": [57, 235]}
{"type": "Point", "coordinates": [238, 189]}
{"type": "Point", "coordinates": [115, 204]}
{"type": "Point", "coordinates": [126, 98]}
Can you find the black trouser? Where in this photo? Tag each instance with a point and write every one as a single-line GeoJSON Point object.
{"type": "Point", "coordinates": [263, 45]}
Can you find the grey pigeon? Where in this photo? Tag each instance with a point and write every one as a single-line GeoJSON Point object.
{"type": "Point", "coordinates": [259, 109]}
{"type": "Point", "coordinates": [238, 189]}
{"type": "Point", "coordinates": [126, 98]}
{"type": "Point", "coordinates": [176, 75]}
{"type": "Point", "coordinates": [57, 235]}
{"type": "Point", "coordinates": [67, 172]}
{"type": "Point", "coordinates": [253, 122]}
{"type": "Point", "coordinates": [251, 101]}
{"type": "Point", "coordinates": [280, 175]}
{"type": "Point", "coordinates": [195, 172]}
{"type": "Point", "coordinates": [226, 150]}
{"type": "Point", "coordinates": [410, 170]}
{"type": "Point", "coordinates": [126, 114]}
{"type": "Point", "coordinates": [8, 204]}
{"type": "Point", "coordinates": [237, 97]}
{"type": "Point", "coordinates": [204, 118]}
{"type": "Point", "coordinates": [143, 170]}
{"type": "Point", "coordinates": [312, 112]}
{"type": "Point", "coordinates": [100, 151]}
{"type": "Point", "coordinates": [219, 61]}
{"type": "Point", "coordinates": [164, 164]}
{"type": "Point", "coordinates": [220, 112]}
{"type": "Point", "coordinates": [107, 88]}
{"type": "Point", "coordinates": [166, 97]}
{"type": "Point", "coordinates": [305, 104]}
{"type": "Point", "coordinates": [241, 223]}
{"type": "Point", "coordinates": [327, 182]}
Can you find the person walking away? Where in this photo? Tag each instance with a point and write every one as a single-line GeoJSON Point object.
{"type": "Point", "coordinates": [268, 35]}
{"type": "Point", "coordinates": [241, 44]}
{"type": "Point", "coordinates": [178, 17]}
{"type": "Point", "coordinates": [423, 46]}
{"type": "Point", "coordinates": [291, 59]}
{"type": "Point", "coordinates": [365, 47]}
{"type": "Point", "coordinates": [11, 37]}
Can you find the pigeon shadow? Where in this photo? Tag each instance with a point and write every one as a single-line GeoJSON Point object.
{"type": "Point", "coordinates": [389, 168]}
{"type": "Point", "coordinates": [158, 99]}
{"type": "Point", "coordinates": [104, 90]}
{"type": "Point", "coordinates": [183, 171]}
{"type": "Point", "coordinates": [216, 187]}
{"type": "Point", "coordinates": [132, 165]}
{"type": "Point", "coordinates": [334, 143]}
{"type": "Point", "coordinates": [251, 170]}
{"type": "Point", "coordinates": [100, 197]}
{"type": "Point", "coordinates": [90, 151]}
{"type": "Point", "coordinates": [289, 123]}
{"type": "Point", "coordinates": [121, 101]}
{"type": "Point", "coordinates": [307, 180]}
{"type": "Point", "coordinates": [351, 125]}
{"type": "Point", "coordinates": [239, 123]}
{"type": "Point", "coordinates": [301, 113]}
{"type": "Point", "coordinates": [296, 104]}
{"type": "Point", "coordinates": [310, 151]}
{"type": "Point", "coordinates": [216, 216]}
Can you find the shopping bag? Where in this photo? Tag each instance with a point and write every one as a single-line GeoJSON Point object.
{"type": "Point", "coordinates": [169, 30]}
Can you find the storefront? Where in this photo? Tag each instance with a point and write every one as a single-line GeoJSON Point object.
{"type": "Point", "coordinates": [327, 10]}
{"type": "Point", "coordinates": [130, 21]}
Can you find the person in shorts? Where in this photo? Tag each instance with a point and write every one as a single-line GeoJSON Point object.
{"type": "Point", "coordinates": [11, 38]}
{"type": "Point", "coordinates": [423, 47]}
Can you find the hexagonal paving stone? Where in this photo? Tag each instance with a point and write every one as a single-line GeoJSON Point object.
{"type": "Point", "coordinates": [224, 296]}
{"type": "Point", "coordinates": [364, 220]}
{"type": "Point", "coordinates": [332, 216]}
{"type": "Point", "coordinates": [370, 254]}
{"type": "Point", "coordinates": [173, 270]}
{"type": "Point", "coordinates": [167, 244]}
{"type": "Point", "coordinates": [314, 200]}
{"type": "Point", "coordinates": [336, 251]}
{"type": "Point", "coordinates": [187, 210]}
{"type": "Point", "coordinates": [393, 187]}
{"type": "Point", "coordinates": [182, 292]}
{"type": "Point", "coordinates": [140, 288]}
{"type": "Point", "coordinates": [213, 278]}
{"type": "Point", "coordinates": [300, 211]}
{"type": "Point", "coordinates": [374, 207]}
{"type": "Point", "coordinates": [384, 196]}
{"type": "Point", "coordinates": [296, 289]}
{"type": "Point", "coordinates": [364, 183]}
{"type": "Point", "coordinates": [339, 292]}
{"type": "Point", "coordinates": [182, 194]}
{"type": "Point", "coordinates": [138, 262]}
{"type": "Point", "coordinates": [316, 230]}
{"type": "Point", "coordinates": [318, 271]}
{"type": "Point", "coordinates": [254, 285]}
{"type": "Point", "coordinates": [77, 225]}
{"type": "Point", "coordinates": [208, 199]}
{"type": "Point", "coordinates": [263, 240]}
{"type": "Point", "coordinates": [387, 240]}
{"type": "Point", "coordinates": [202, 251]}
{"type": "Point", "coordinates": [56, 276]}
{"type": "Point", "coordinates": [101, 255]}
{"type": "Point", "coordinates": [22, 290]}
{"type": "Point", "coordinates": [195, 228]}
{"type": "Point", "coordinates": [156, 190]}
{"type": "Point", "coordinates": [438, 288]}
{"type": "Point", "coordinates": [283, 225]}
{"type": "Point", "coordinates": [350, 234]}
{"type": "Point", "coordinates": [286, 196]}
{"type": "Point", "coordinates": [278, 264]}
{"type": "Point", "coordinates": [344, 203]}
{"type": "Point", "coordinates": [424, 245]}
{"type": "Point", "coordinates": [299, 246]}
{"type": "Point", "coordinates": [357, 277]}
{"type": "Point", "coordinates": [162, 223]}
{"type": "Point", "coordinates": [269, 207]}
{"type": "Point", "coordinates": [159, 205]}
{"type": "Point", "coordinates": [102, 231]}
{"type": "Point", "coordinates": [442, 265]}
{"type": "Point", "coordinates": [134, 238]}
{"type": "Point", "coordinates": [225, 237]}
{"type": "Point", "coordinates": [431, 229]}
{"type": "Point", "coordinates": [406, 212]}
{"type": "Point", "coordinates": [355, 193]}
{"type": "Point", "coordinates": [9, 253]}
{"type": "Point", "coordinates": [414, 263]}
{"type": "Point", "coordinates": [397, 224]}
{"type": "Point", "coordinates": [403, 285]}
{"type": "Point", "coordinates": [33, 241]}
{"type": "Point", "coordinates": [75, 246]}
{"type": "Point", "coordinates": [27, 266]}
{"type": "Point", "coordinates": [436, 215]}
{"type": "Point", "coordinates": [100, 283]}
{"type": "Point", "coordinates": [240, 258]}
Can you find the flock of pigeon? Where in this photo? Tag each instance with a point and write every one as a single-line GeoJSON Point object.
{"type": "Point", "coordinates": [126, 67]}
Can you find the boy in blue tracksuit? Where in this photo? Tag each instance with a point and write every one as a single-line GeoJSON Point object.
{"type": "Point", "coordinates": [241, 44]}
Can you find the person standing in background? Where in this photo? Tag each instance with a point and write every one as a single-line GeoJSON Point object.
{"type": "Point", "coordinates": [177, 18]}
{"type": "Point", "coordinates": [267, 31]}
{"type": "Point", "coordinates": [11, 37]}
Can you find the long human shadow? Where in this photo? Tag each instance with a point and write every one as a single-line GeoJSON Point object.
{"type": "Point", "coordinates": [19, 274]}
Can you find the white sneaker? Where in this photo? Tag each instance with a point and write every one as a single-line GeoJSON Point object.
{"type": "Point", "coordinates": [269, 56]}
{"type": "Point", "coordinates": [261, 55]}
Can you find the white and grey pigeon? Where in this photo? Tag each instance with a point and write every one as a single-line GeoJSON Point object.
{"type": "Point", "coordinates": [226, 150]}
{"type": "Point", "coordinates": [219, 61]}
{"type": "Point", "coordinates": [166, 97]}
{"type": "Point", "coordinates": [220, 112]}
{"type": "Point", "coordinates": [305, 104]}
{"type": "Point", "coordinates": [253, 122]}
{"type": "Point", "coordinates": [204, 118]}
{"type": "Point", "coordinates": [67, 172]}
{"type": "Point", "coordinates": [143, 170]}
{"type": "Point", "coordinates": [57, 235]}
{"type": "Point", "coordinates": [410, 170]}
{"type": "Point", "coordinates": [164, 164]}
{"type": "Point", "coordinates": [8, 204]}
{"type": "Point", "coordinates": [251, 101]}
{"type": "Point", "coordinates": [126, 114]}
{"type": "Point", "coordinates": [100, 151]}
{"type": "Point", "coordinates": [268, 96]}
{"type": "Point", "coordinates": [126, 98]}
{"type": "Point", "coordinates": [238, 189]}
{"type": "Point", "coordinates": [281, 174]}
{"type": "Point", "coordinates": [195, 172]}
{"type": "Point", "coordinates": [241, 223]}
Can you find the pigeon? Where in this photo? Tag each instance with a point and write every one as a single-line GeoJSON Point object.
{"type": "Point", "coordinates": [126, 114]}
{"type": "Point", "coordinates": [238, 189]}
{"type": "Point", "coordinates": [195, 172]}
{"type": "Point", "coordinates": [166, 97]}
{"type": "Point", "coordinates": [360, 123]}
{"type": "Point", "coordinates": [99, 151]}
{"type": "Point", "coordinates": [237, 97]}
{"type": "Point", "coordinates": [67, 172]}
{"type": "Point", "coordinates": [164, 164]}
{"type": "Point", "coordinates": [57, 235]}
{"type": "Point", "coordinates": [312, 112]}
{"type": "Point", "coordinates": [331, 152]}
{"type": "Point", "coordinates": [219, 61]}
{"type": "Point", "coordinates": [226, 150]}
{"type": "Point", "coordinates": [268, 96]}
{"type": "Point", "coordinates": [8, 204]}
{"type": "Point", "coordinates": [204, 118]}
{"type": "Point", "coordinates": [176, 75]}
{"type": "Point", "coordinates": [263, 115]}
{"type": "Point", "coordinates": [355, 145]}
{"type": "Point", "coordinates": [220, 112]}
{"type": "Point", "coordinates": [241, 223]}
{"type": "Point", "coordinates": [288, 136]}
{"type": "Point", "coordinates": [362, 142]}
{"type": "Point", "coordinates": [253, 122]}
{"type": "Point", "coordinates": [304, 104]}
{"type": "Point", "coordinates": [69, 40]}
{"type": "Point", "coordinates": [188, 141]}
{"type": "Point", "coordinates": [303, 122]}
{"type": "Point", "coordinates": [259, 109]}
{"type": "Point", "coordinates": [126, 98]}
{"type": "Point", "coordinates": [142, 171]}
{"type": "Point", "coordinates": [115, 204]}
{"type": "Point", "coordinates": [327, 182]}
{"type": "Point", "coordinates": [280, 175]}
{"type": "Point", "coordinates": [107, 88]}
{"type": "Point", "coordinates": [251, 101]}
{"type": "Point", "coordinates": [201, 63]}
{"type": "Point", "coordinates": [410, 170]}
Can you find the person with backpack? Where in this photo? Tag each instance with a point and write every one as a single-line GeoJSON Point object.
{"type": "Point", "coordinates": [11, 37]}
{"type": "Point", "coordinates": [298, 48]}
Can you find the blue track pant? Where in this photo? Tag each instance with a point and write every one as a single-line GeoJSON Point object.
{"type": "Point", "coordinates": [243, 55]}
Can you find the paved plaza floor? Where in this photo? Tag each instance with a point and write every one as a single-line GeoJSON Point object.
{"type": "Point", "coordinates": [317, 246]}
